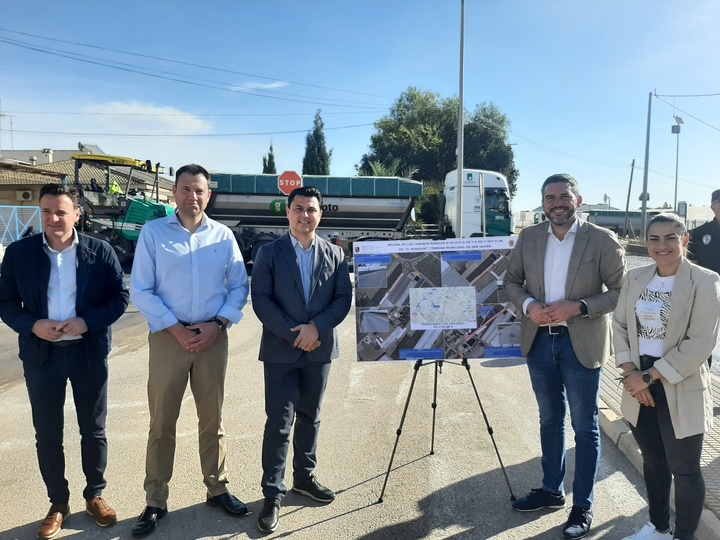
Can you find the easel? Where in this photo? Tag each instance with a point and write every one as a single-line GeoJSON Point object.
{"type": "Point", "coordinates": [438, 369]}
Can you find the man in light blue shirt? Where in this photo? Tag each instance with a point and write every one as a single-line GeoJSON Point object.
{"type": "Point", "coordinates": [189, 281]}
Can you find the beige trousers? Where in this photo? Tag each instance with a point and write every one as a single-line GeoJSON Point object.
{"type": "Point", "coordinates": [170, 368]}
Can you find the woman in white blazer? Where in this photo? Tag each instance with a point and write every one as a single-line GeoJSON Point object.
{"type": "Point", "coordinates": [665, 327]}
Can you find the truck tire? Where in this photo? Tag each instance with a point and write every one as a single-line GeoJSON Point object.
{"type": "Point", "coordinates": [123, 247]}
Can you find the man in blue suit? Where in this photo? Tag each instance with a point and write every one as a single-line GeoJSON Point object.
{"type": "Point", "coordinates": [301, 292]}
{"type": "Point", "coordinates": [61, 291]}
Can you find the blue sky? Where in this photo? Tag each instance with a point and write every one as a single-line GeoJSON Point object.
{"type": "Point", "coordinates": [573, 77]}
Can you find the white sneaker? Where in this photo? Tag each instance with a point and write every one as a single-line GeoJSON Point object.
{"type": "Point", "coordinates": [649, 532]}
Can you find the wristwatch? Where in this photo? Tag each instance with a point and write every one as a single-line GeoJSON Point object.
{"type": "Point", "coordinates": [647, 378]}
{"type": "Point", "coordinates": [221, 324]}
{"type": "Point", "coordinates": [583, 309]}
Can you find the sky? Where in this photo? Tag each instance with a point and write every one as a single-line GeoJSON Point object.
{"type": "Point", "coordinates": [217, 82]}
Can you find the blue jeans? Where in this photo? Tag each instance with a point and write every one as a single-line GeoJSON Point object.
{"type": "Point", "coordinates": [666, 458]}
{"type": "Point", "coordinates": [558, 377]}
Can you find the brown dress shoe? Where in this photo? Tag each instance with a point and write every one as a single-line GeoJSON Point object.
{"type": "Point", "coordinates": [52, 523]}
{"type": "Point", "coordinates": [101, 512]}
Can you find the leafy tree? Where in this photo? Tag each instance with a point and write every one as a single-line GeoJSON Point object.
{"type": "Point", "coordinates": [317, 158]}
{"type": "Point", "coordinates": [269, 162]}
{"type": "Point", "coordinates": [421, 132]}
{"type": "Point", "coordinates": [376, 168]}
{"type": "Point", "coordinates": [665, 206]}
{"type": "Point", "coordinates": [428, 206]}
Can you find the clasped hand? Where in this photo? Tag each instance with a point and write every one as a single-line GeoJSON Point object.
{"type": "Point", "coordinates": [636, 387]}
{"type": "Point", "coordinates": [196, 337]}
{"type": "Point", "coordinates": [307, 339]}
{"type": "Point", "coordinates": [51, 330]}
{"type": "Point", "coordinates": [558, 312]}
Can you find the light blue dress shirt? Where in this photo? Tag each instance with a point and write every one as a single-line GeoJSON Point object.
{"type": "Point", "coordinates": [306, 258]}
{"type": "Point", "coordinates": [190, 277]}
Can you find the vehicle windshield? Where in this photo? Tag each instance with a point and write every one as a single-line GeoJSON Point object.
{"type": "Point", "coordinates": [496, 199]}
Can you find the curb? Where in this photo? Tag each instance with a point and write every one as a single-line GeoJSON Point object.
{"type": "Point", "coordinates": [619, 433]}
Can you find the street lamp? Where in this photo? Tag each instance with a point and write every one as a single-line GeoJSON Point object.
{"type": "Point", "coordinates": [676, 130]}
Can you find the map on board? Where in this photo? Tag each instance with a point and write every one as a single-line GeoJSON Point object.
{"type": "Point", "coordinates": [434, 299]}
{"type": "Point", "coordinates": [438, 308]}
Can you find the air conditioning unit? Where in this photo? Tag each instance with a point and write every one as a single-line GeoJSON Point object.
{"type": "Point", "coordinates": [24, 195]}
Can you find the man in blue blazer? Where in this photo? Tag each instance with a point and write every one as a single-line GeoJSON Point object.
{"type": "Point", "coordinates": [61, 291]}
{"type": "Point", "coordinates": [301, 292]}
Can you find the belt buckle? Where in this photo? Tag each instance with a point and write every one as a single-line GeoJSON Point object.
{"type": "Point", "coordinates": [550, 330]}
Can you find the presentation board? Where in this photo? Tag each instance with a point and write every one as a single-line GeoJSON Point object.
{"type": "Point", "coordinates": [434, 299]}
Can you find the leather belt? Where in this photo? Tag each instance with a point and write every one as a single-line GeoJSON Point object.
{"type": "Point", "coordinates": [66, 342]}
{"type": "Point", "coordinates": [556, 330]}
{"type": "Point", "coordinates": [192, 323]}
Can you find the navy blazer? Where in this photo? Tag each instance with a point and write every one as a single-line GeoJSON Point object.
{"type": "Point", "coordinates": [101, 294]}
{"type": "Point", "coordinates": [279, 301]}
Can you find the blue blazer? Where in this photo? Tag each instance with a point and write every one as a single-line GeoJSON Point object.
{"type": "Point", "coordinates": [279, 301]}
{"type": "Point", "coordinates": [101, 294]}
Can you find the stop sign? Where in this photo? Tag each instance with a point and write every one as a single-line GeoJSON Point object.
{"type": "Point", "coordinates": [288, 181]}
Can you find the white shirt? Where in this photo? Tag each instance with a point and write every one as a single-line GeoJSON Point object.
{"type": "Point", "coordinates": [557, 262]}
{"type": "Point", "coordinates": [62, 287]}
{"type": "Point", "coordinates": [652, 311]}
{"type": "Point", "coordinates": [189, 277]}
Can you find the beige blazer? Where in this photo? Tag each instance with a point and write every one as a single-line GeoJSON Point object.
{"type": "Point", "coordinates": [595, 274]}
{"type": "Point", "coordinates": [690, 338]}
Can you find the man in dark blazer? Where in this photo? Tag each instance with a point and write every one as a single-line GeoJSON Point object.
{"type": "Point", "coordinates": [61, 291]}
{"type": "Point", "coordinates": [565, 275]}
{"type": "Point", "coordinates": [301, 292]}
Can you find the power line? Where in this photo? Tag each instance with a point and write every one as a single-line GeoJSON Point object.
{"type": "Point", "coordinates": [179, 136]}
{"type": "Point", "coordinates": [687, 113]}
{"type": "Point", "coordinates": [686, 95]}
{"type": "Point", "coordinates": [210, 115]}
{"type": "Point", "coordinates": [70, 56]}
{"type": "Point", "coordinates": [193, 65]}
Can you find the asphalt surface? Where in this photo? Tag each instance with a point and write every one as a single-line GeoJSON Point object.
{"type": "Point", "coordinates": [458, 492]}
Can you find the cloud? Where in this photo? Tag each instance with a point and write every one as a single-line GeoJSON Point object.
{"type": "Point", "coordinates": [133, 117]}
{"type": "Point", "coordinates": [259, 86]}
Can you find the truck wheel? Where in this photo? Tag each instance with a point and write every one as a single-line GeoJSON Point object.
{"type": "Point", "coordinates": [124, 249]}
{"type": "Point", "coordinates": [122, 246]}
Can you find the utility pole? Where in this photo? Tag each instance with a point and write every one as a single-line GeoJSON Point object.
{"type": "Point", "coordinates": [627, 203]}
{"type": "Point", "coordinates": [461, 124]}
{"type": "Point", "coordinates": [676, 131]}
{"type": "Point", "coordinates": [644, 195]}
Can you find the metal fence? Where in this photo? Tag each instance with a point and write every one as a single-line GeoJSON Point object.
{"type": "Point", "coordinates": [19, 221]}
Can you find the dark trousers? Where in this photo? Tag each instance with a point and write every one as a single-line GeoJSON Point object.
{"type": "Point", "coordinates": [666, 458]}
{"type": "Point", "coordinates": [293, 392]}
{"type": "Point", "coordinates": [46, 383]}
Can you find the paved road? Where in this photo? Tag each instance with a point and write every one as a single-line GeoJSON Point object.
{"type": "Point", "coordinates": [459, 492]}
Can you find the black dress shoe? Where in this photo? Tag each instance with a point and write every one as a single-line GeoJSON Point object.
{"type": "Point", "coordinates": [148, 520]}
{"type": "Point", "coordinates": [269, 517]}
{"type": "Point", "coordinates": [228, 502]}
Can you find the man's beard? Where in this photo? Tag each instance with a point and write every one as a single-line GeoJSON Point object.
{"type": "Point", "coordinates": [559, 221]}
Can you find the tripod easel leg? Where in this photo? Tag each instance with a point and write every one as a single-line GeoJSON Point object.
{"type": "Point", "coordinates": [418, 365]}
{"type": "Point", "coordinates": [489, 428]}
{"type": "Point", "coordinates": [438, 368]}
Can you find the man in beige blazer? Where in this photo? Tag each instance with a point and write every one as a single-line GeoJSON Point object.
{"type": "Point", "coordinates": [565, 275]}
